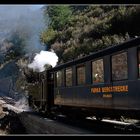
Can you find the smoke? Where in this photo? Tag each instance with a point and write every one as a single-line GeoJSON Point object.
{"type": "Point", "coordinates": [43, 58]}
{"type": "Point", "coordinates": [20, 27]}
{"type": "Point", "coordinates": [22, 105]}
{"type": "Point", "coordinates": [22, 19]}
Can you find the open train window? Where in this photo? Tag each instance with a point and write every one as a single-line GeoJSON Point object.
{"type": "Point", "coordinates": [80, 73]}
{"type": "Point", "coordinates": [68, 77]}
{"type": "Point", "coordinates": [97, 71]}
{"type": "Point", "coordinates": [119, 67]}
{"type": "Point", "coordinates": [59, 78]}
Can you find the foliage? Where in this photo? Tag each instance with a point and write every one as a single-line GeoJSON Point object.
{"type": "Point", "coordinates": [59, 15]}
{"type": "Point", "coordinates": [16, 48]}
{"type": "Point", "coordinates": [31, 76]}
{"type": "Point", "coordinates": [48, 36]}
{"type": "Point", "coordinates": [89, 28]}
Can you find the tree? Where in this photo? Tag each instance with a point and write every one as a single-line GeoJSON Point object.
{"type": "Point", "coordinates": [59, 16]}
{"type": "Point", "coordinates": [48, 36]}
{"type": "Point", "coordinates": [17, 48]}
{"type": "Point", "coordinates": [75, 31]}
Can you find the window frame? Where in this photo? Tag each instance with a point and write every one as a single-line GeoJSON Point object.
{"type": "Point", "coordinates": [93, 82]}
{"type": "Point", "coordinates": [71, 77]}
{"type": "Point", "coordinates": [116, 53]}
{"type": "Point", "coordinates": [56, 84]}
{"type": "Point", "coordinates": [77, 66]}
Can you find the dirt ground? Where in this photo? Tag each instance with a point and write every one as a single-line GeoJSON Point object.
{"type": "Point", "coordinates": [2, 114]}
{"type": "Point", "coordinates": [10, 123]}
{"type": "Point", "coordinates": [3, 132]}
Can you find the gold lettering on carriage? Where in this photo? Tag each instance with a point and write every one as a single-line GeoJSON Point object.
{"type": "Point", "coordinates": [107, 89]}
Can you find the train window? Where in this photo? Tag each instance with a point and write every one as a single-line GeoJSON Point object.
{"type": "Point", "coordinates": [69, 77]}
{"type": "Point", "coordinates": [80, 75]}
{"type": "Point", "coordinates": [59, 78]}
{"type": "Point", "coordinates": [119, 66]}
{"type": "Point", "coordinates": [97, 71]}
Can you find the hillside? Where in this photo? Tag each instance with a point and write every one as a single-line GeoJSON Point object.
{"type": "Point", "coordinates": [75, 31]}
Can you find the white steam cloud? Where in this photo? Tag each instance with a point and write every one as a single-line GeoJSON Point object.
{"type": "Point", "coordinates": [43, 58]}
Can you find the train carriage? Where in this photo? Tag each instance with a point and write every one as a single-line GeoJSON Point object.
{"type": "Point", "coordinates": [105, 83]}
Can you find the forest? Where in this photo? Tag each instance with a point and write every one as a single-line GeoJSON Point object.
{"type": "Point", "coordinates": [74, 31]}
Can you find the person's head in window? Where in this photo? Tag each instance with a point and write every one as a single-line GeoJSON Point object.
{"type": "Point", "coordinates": [97, 77]}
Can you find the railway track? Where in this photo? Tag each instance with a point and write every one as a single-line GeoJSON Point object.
{"type": "Point", "coordinates": [60, 124]}
{"type": "Point", "coordinates": [105, 126]}
{"type": "Point", "coordinates": [76, 126]}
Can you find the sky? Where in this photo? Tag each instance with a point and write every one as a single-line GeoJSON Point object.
{"type": "Point", "coordinates": [33, 7]}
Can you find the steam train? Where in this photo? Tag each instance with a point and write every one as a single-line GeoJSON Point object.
{"type": "Point", "coordinates": [103, 84]}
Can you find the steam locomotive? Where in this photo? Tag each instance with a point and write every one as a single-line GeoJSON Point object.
{"type": "Point", "coordinates": [103, 84]}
